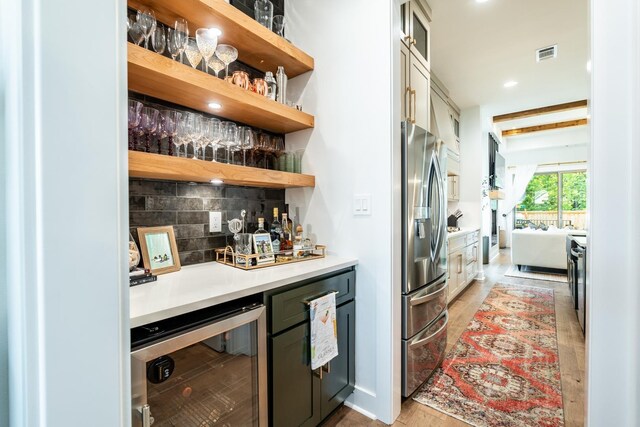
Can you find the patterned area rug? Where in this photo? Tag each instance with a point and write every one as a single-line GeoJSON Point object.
{"type": "Point", "coordinates": [526, 274]}
{"type": "Point", "coordinates": [504, 370]}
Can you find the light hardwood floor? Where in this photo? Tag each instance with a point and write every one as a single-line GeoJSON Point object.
{"type": "Point", "coordinates": [570, 346]}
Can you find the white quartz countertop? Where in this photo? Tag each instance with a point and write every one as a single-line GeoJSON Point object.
{"type": "Point", "coordinates": [204, 285]}
{"type": "Point", "coordinates": [462, 232]}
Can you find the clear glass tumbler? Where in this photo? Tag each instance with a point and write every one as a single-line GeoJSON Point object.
{"type": "Point", "coordinates": [263, 10]}
{"type": "Point", "coordinates": [243, 246]}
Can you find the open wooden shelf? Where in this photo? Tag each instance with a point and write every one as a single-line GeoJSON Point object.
{"type": "Point", "coordinates": [161, 77]}
{"type": "Point", "coordinates": [156, 166]}
{"type": "Point", "coordinates": [257, 46]}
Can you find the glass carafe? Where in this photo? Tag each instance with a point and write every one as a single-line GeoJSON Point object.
{"type": "Point", "coordinates": [263, 10]}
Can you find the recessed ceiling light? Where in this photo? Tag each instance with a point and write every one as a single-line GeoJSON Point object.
{"type": "Point", "coordinates": [215, 106]}
{"type": "Point", "coordinates": [481, 1]}
{"type": "Point", "coordinates": [217, 181]}
{"type": "Point", "coordinates": [510, 83]}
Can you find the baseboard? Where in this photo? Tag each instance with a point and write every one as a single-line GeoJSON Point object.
{"type": "Point", "coordinates": [364, 396]}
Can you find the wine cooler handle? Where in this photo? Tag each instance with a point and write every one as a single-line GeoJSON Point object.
{"type": "Point", "coordinates": [147, 419]}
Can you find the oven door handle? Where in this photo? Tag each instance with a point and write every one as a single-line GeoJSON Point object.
{"type": "Point", "coordinates": [430, 337]}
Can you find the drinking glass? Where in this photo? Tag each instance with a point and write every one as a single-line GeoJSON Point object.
{"type": "Point", "coordinates": [214, 136]}
{"type": "Point", "coordinates": [148, 125]}
{"type": "Point", "coordinates": [181, 138]}
{"type": "Point", "coordinates": [193, 53]}
{"type": "Point", "coordinates": [147, 19]}
{"type": "Point", "coordinates": [246, 139]}
{"type": "Point", "coordinates": [173, 41]}
{"type": "Point", "coordinates": [182, 34]}
{"type": "Point", "coordinates": [278, 24]}
{"type": "Point", "coordinates": [133, 121]}
{"type": "Point", "coordinates": [216, 64]}
{"type": "Point", "coordinates": [263, 11]}
{"type": "Point", "coordinates": [136, 33]}
{"type": "Point", "coordinates": [227, 54]}
{"type": "Point", "coordinates": [261, 149]}
{"type": "Point", "coordinates": [207, 40]}
{"type": "Point", "coordinates": [159, 40]}
{"type": "Point", "coordinates": [170, 120]}
{"type": "Point", "coordinates": [194, 131]}
{"type": "Point", "coordinates": [243, 246]}
{"type": "Point", "coordinates": [228, 137]}
{"type": "Point", "coordinates": [277, 143]}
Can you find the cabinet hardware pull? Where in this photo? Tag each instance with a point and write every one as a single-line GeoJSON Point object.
{"type": "Point", "coordinates": [408, 91]}
{"type": "Point", "coordinates": [415, 105]}
{"type": "Point", "coordinates": [318, 372]}
{"type": "Point", "coordinates": [407, 38]}
{"type": "Point", "coordinates": [460, 264]}
{"type": "Point", "coordinates": [308, 302]}
{"type": "Point", "coordinates": [413, 41]}
{"type": "Point", "coordinates": [327, 367]}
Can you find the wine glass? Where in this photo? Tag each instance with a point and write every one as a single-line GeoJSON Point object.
{"type": "Point", "coordinates": [170, 120]}
{"type": "Point", "coordinates": [158, 40]}
{"type": "Point", "coordinates": [246, 137]}
{"type": "Point", "coordinates": [181, 139]}
{"type": "Point", "coordinates": [229, 132]}
{"type": "Point", "coordinates": [207, 40]}
{"type": "Point", "coordinates": [136, 33]}
{"type": "Point", "coordinates": [147, 19]}
{"type": "Point", "coordinates": [193, 53]}
{"type": "Point", "coordinates": [278, 24]}
{"type": "Point", "coordinates": [194, 131]}
{"type": "Point", "coordinates": [133, 121]}
{"type": "Point", "coordinates": [173, 42]}
{"type": "Point", "coordinates": [261, 147]}
{"type": "Point", "coordinates": [215, 64]}
{"type": "Point", "coordinates": [227, 54]}
{"type": "Point", "coordinates": [278, 150]}
{"type": "Point", "coordinates": [148, 125]}
{"type": "Point", "coordinates": [213, 136]}
{"type": "Point", "coordinates": [182, 34]}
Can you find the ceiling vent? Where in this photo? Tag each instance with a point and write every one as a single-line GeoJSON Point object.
{"type": "Point", "coordinates": [547, 53]}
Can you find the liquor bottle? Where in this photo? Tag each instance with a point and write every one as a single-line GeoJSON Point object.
{"type": "Point", "coordinates": [286, 244]}
{"type": "Point", "coordinates": [260, 229]}
{"type": "Point", "coordinates": [276, 231]}
{"type": "Point", "coordinates": [298, 248]}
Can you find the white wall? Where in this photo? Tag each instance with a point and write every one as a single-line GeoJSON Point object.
{"type": "Point", "coordinates": [349, 152]}
{"type": "Point", "coordinates": [613, 310]}
{"type": "Point", "coordinates": [471, 168]}
{"type": "Point", "coordinates": [65, 212]}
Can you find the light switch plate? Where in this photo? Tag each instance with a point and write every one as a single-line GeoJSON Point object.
{"type": "Point", "coordinates": [362, 204]}
{"type": "Point", "coordinates": [215, 222]}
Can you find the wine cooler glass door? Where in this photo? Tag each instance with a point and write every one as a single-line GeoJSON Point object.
{"type": "Point", "coordinates": [214, 375]}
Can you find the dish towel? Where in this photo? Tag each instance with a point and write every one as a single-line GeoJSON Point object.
{"type": "Point", "coordinates": [324, 333]}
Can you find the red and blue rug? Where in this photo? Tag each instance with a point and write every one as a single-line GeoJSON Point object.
{"type": "Point", "coordinates": [504, 370]}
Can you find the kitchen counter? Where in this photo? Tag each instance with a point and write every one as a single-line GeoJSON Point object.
{"type": "Point", "coordinates": [204, 285]}
{"type": "Point", "coordinates": [462, 232]}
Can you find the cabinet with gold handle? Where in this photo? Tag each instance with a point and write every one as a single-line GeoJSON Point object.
{"type": "Point", "coordinates": [408, 93]}
{"type": "Point", "coordinates": [415, 103]}
{"type": "Point", "coordinates": [460, 264]}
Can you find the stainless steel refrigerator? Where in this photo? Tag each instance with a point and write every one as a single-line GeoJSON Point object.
{"type": "Point", "coordinates": [424, 256]}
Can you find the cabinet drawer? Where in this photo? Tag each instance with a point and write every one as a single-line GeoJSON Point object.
{"type": "Point", "coordinates": [457, 243]}
{"type": "Point", "coordinates": [472, 269]}
{"type": "Point", "coordinates": [471, 253]}
{"type": "Point", "coordinates": [471, 238]}
{"type": "Point", "coordinates": [288, 308]}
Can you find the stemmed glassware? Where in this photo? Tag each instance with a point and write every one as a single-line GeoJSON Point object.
{"type": "Point", "coordinates": [207, 40]}
{"type": "Point", "coordinates": [278, 24]}
{"type": "Point", "coordinates": [194, 131]}
{"type": "Point", "coordinates": [227, 54]}
{"type": "Point", "coordinates": [216, 64]}
{"type": "Point", "coordinates": [147, 20]}
{"type": "Point", "coordinates": [228, 137]}
{"type": "Point", "coordinates": [158, 40]}
{"type": "Point", "coordinates": [213, 137]}
{"type": "Point", "coordinates": [135, 32]}
{"type": "Point", "coordinates": [170, 120]}
{"type": "Point", "coordinates": [194, 56]}
{"type": "Point", "coordinates": [246, 140]}
{"type": "Point", "coordinates": [182, 35]}
{"type": "Point", "coordinates": [134, 121]}
{"type": "Point", "coordinates": [173, 43]}
{"type": "Point", "coordinates": [148, 125]}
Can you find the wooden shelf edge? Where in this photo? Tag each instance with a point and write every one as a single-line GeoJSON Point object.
{"type": "Point", "coordinates": [160, 77]}
{"type": "Point", "coordinates": [156, 166]}
{"type": "Point", "coordinates": [257, 46]}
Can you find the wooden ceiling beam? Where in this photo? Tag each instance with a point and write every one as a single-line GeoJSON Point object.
{"type": "Point", "coordinates": [548, 126]}
{"type": "Point", "coordinates": [540, 111]}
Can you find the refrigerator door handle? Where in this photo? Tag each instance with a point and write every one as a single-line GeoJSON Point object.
{"type": "Point", "coordinates": [441, 202]}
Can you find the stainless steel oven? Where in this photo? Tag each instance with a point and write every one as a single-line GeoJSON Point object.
{"type": "Point", "coordinates": [203, 368]}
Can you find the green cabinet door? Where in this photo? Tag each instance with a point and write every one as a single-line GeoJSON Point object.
{"type": "Point", "coordinates": [339, 382]}
{"type": "Point", "coordinates": [295, 395]}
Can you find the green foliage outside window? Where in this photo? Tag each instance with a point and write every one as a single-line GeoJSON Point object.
{"type": "Point", "coordinates": [542, 192]}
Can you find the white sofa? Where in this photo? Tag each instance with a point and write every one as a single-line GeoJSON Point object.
{"type": "Point", "coordinates": [538, 248]}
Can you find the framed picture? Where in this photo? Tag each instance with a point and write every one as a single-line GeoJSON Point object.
{"type": "Point", "coordinates": [263, 247]}
{"type": "Point", "coordinates": [159, 250]}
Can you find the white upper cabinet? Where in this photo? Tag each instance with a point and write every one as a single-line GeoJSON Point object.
{"type": "Point", "coordinates": [419, 93]}
{"type": "Point", "coordinates": [416, 31]}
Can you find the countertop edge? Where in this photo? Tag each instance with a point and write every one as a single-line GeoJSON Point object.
{"type": "Point", "coordinates": [218, 299]}
{"type": "Point", "coordinates": [462, 232]}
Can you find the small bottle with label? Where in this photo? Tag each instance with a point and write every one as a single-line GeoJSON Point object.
{"type": "Point", "coordinates": [298, 245]}
{"type": "Point", "coordinates": [286, 244]}
{"type": "Point", "coordinates": [276, 231]}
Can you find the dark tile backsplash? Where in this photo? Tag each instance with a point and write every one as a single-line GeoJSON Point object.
{"type": "Point", "coordinates": [186, 207]}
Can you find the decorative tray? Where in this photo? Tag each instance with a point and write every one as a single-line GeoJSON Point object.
{"type": "Point", "coordinates": [228, 256]}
